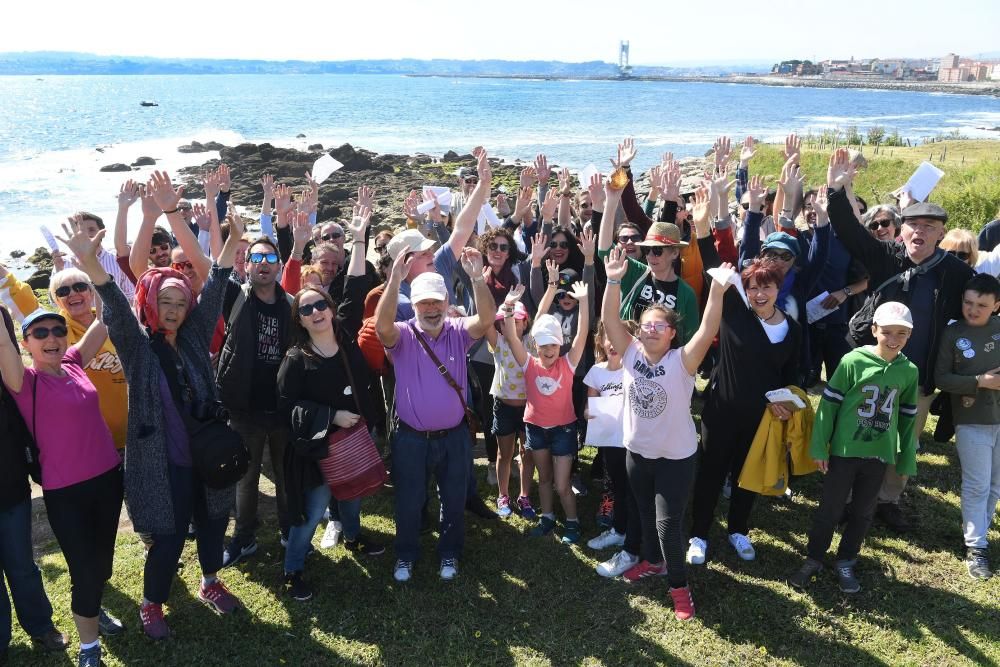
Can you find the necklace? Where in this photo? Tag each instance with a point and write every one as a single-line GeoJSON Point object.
{"type": "Point", "coordinates": [323, 353]}
{"type": "Point", "coordinates": [767, 319]}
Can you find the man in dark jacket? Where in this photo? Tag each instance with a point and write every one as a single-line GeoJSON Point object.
{"type": "Point", "coordinates": [17, 563]}
{"type": "Point", "coordinates": [257, 319]}
{"type": "Point", "coordinates": [931, 283]}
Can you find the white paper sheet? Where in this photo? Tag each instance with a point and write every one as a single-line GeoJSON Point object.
{"type": "Point", "coordinates": [784, 394]}
{"type": "Point", "coordinates": [324, 166]}
{"type": "Point", "coordinates": [723, 276]}
{"type": "Point", "coordinates": [815, 311]}
{"type": "Point", "coordinates": [585, 175]}
{"type": "Point", "coordinates": [605, 427]}
{"type": "Point", "coordinates": [50, 240]}
{"type": "Point", "coordinates": [923, 181]}
{"type": "Point", "coordinates": [487, 218]}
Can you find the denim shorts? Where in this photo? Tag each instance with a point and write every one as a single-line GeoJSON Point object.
{"type": "Point", "coordinates": [507, 419]}
{"type": "Point", "coordinates": [561, 440]}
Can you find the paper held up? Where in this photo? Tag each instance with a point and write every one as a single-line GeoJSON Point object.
{"type": "Point", "coordinates": [723, 275]}
{"type": "Point", "coordinates": [586, 174]}
{"type": "Point", "coordinates": [605, 424]}
{"type": "Point", "coordinates": [784, 396]}
{"type": "Point", "coordinates": [923, 181]}
{"type": "Point", "coordinates": [50, 240]}
{"type": "Point", "coordinates": [442, 194]}
{"type": "Point", "coordinates": [815, 310]}
{"type": "Point", "coordinates": [324, 166]}
{"type": "Point", "coordinates": [487, 218]}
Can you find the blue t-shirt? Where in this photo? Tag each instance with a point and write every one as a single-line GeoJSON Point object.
{"type": "Point", "coordinates": [445, 263]}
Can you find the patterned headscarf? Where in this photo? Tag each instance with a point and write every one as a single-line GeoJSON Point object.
{"type": "Point", "coordinates": [150, 284]}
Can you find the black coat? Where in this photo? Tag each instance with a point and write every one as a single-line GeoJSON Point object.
{"type": "Point", "coordinates": [14, 437]}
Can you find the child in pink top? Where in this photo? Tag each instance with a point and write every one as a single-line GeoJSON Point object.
{"type": "Point", "coordinates": [550, 421]}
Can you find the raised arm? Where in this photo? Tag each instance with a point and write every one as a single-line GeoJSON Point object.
{"type": "Point", "coordinates": [486, 307]}
{"type": "Point", "coordinates": [138, 258]}
{"type": "Point", "coordinates": [11, 365]}
{"type": "Point", "coordinates": [510, 327]}
{"type": "Point", "coordinates": [565, 199]}
{"type": "Point", "coordinates": [186, 238]}
{"type": "Point", "coordinates": [385, 312]}
{"type": "Point", "coordinates": [127, 195]}
{"type": "Point", "coordinates": [575, 353]}
{"type": "Point", "coordinates": [863, 246]}
{"type": "Point", "coordinates": [538, 251]}
{"type": "Point", "coordinates": [750, 247]}
{"type": "Point", "coordinates": [466, 221]}
{"type": "Point", "coordinates": [609, 199]}
{"type": "Point", "coordinates": [615, 266]}
{"type": "Point", "coordinates": [95, 335]}
{"type": "Point", "coordinates": [693, 353]}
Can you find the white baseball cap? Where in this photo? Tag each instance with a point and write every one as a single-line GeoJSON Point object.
{"type": "Point", "coordinates": [547, 330]}
{"type": "Point", "coordinates": [410, 240]}
{"type": "Point", "coordinates": [893, 313]}
{"type": "Point", "coordinates": [428, 287]}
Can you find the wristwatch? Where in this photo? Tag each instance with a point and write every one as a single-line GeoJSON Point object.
{"type": "Point", "coordinates": [847, 291]}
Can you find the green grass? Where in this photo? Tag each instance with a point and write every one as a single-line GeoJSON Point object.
{"type": "Point", "coordinates": [521, 601]}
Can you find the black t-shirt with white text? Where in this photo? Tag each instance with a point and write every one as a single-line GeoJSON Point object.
{"type": "Point", "coordinates": [652, 291]}
{"type": "Point", "coordinates": [268, 357]}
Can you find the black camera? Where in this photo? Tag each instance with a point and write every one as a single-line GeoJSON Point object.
{"type": "Point", "coordinates": [209, 410]}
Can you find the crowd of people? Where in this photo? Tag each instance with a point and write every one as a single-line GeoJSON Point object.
{"type": "Point", "coordinates": [180, 363]}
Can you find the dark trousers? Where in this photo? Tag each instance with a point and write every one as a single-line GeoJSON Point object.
{"type": "Point", "coordinates": [847, 477]}
{"type": "Point", "coordinates": [260, 432]}
{"type": "Point", "coordinates": [17, 564]}
{"type": "Point", "coordinates": [827, 345]}
{"type": "Point", "coordinates": [626, 509]}
{"type": "Point", "coordinates": [724, 450]}
{"type": "Point", "coordinates": [84, 519]}
{"type": "Point", "coordinates": [484, 407]}
{"type": "Point", "coordinates": [661, 488]}
{"type": "Point", "coordinates": [187, 494]}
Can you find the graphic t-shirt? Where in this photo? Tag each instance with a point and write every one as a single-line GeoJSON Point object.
{"type": "Point", "coordinates": [654, 291]}
{"type": "Point", "coordinates": [508, 377]}
{"type": "Point", "coordinates": [268, 358]}
{"type": "Point", "coordinates": [609, 384]}
{"type": "Point", "coordinates": [550, 393]}
{"type": "Point", "coordinates": [658, 422]}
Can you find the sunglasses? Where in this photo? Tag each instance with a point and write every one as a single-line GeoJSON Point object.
{"type": "Point", "coordinates": [159, 248]}
{"type": "Point", "coordinates": [382, 248]}
{"type": "Point", "coordinates": [80, 288]}
{"type": "Point", "coordinates": [331, 236]}
{"type": "Point", "coordinates": [559, 244]}
{"type": "Point", "coordinates": [258, 257]}
{"type": "Point", "coordinates": [655, 251]}
{"type": "Point", "coordinates": [41, 333]}
{"type": "Point", "coordinates": [183, 208]}
{"type": "Point", "coordinates": [182, 266]}
{"type": "Point", "coordinates": [783, 255]}
{"type": "Point", "coordinates": [875, 224]}
{"type": "Point", "coordinates": [584, 205]}
{"type": "Point", "coordinates": [634, 238]}
{"type": "Point", "coordinates": [497, 247]}
{"type": "Point", "coordinates": [658, 327]}
{"type": "Point", "coordinates": [961, 254]}
{"type": "Point", "coordinates": [318, 306]}
{"type": "Point", "coordinates": [471, 179]}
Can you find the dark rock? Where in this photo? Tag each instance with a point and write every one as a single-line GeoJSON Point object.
{"type": "Point", "coordinates": [300, 136]}
{"type": "Point", "coordinates": [40, 257]}
{"type": "Point", "coordinates": [17, 254]}
{"type": "Point", "coordinates": [420, 158]}
{"type": "Point", "coordinates": [39, 279]}
{"type": "Point", "coordinates": [117, 166]}
{"type": "Point", "coordinates": [213, 146]}
{"type": "Point", "coordinates": [315, 147]}
{"type": "Point", "coordinates": [450, 156]}
{"type": "Point", "coordinates": [143, 161]}
{"type": "Point", "coordinates": [193, 147]}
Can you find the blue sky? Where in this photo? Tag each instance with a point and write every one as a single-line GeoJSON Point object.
{"type": "Point", "coordinates": [661, 32]}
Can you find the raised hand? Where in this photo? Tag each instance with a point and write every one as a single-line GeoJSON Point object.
{"type": "Point", "coordinates": [472, 262]}
{"type": "Point", "coordinates": [128, 194]}
{"type": "Point", "coordinates": [267, 183]}
{"type": "Point", "coordinates": [236, 224]}
{"type": "Point", "coordinates": [514, 295]}
{"type": "Point", "coordinates": [362, 215]}
{"type": "Point", "coordinates": [525, 198]}
{"type": "Point", "coordinates": [615, 266]}
{"type": "Point", "coordinates": [76, 239]}
{"type": "Point", "coordinates": [791, 180]}
{"type": "Point", "coordinates": [821, 206]}
{"type": "Point", "coordinates": [503, 207]}
{"type": "Point", "coordinates": [552, 270]}
{"type": "Point", "coordinates": [579, 291]}
{"type": "Point", "coordinates": [654, 182]}
{"type": "Point", "coordinates": [793, 148]}
{"type": "Point", "coordinates": [757, 191]}
{"type": "Point", "coordinates": [670, 184]}
{"type": "Point", "coordinates": [596, 190]}
{"type": "Point", "coordinates": [721, 185]}
{"type": "Point", "coordinates": [410, 205]}
{"type": "Point", "coordinates": [150, 209]}
{"type": "Point", "coordinates": [201, 217]}
{"type": "Point", "coordinates": [163, 191]}
{"type": "Point", "coordinates": [484, 170]}
{"type": "Point", "coordinates": [588, 244]}
{"type": "Point", "coordinates": [747, 151]}
{"type": "Point", "coordinates": [210, 182]}
{"type": "Point", "coordinates": [225, 178]}
{"type": "Point", "coordinates": [539, 248]}
{"type": "Point", "coordinates": [282, 198]}
{"type": "Point", "coordinates": [301, 233]}
{"type": "Point", "coordinates": [626, 153]}
{"type": "Point", "coordinates": [542, 170]}
{"type": "Point", "coordinates": [435, 214]}
{"type": "Point", "coordinates": [366, 197]}
{"type": "Point", "coordinates": [549, 205]}
{"type": "Point", "coordinates": [723, 147]}
{"type": "Point", "coordinates": [700, 211]}
{"type": "Point", "coordinates": [667, 158]}
{"type": "Point", "coordinates": [564, 181]}
{"type": "Point", "coordinates": [840, 171]}
{"type": "Point", "coordinates": [528, 178]}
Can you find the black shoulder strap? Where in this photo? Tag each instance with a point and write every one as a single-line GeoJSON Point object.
{"type": "Point", "coordinates": [442, 369]}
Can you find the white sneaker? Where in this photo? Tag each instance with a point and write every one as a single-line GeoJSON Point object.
{"type": "Point", "coordinates": [449, 568]}
{"type": "Point", "coordinates": [491, 474]}
{"type": "Point", "coordinates": [609, 538]}
{"type": "Point", "coordinates": [617, 565]}
{"type": "Point", "coordinates": [696, 551]}
{"type": "Point", "coordinates": [331, 535]}
{"type": "Point", "coordinates": [402, 571]}
{"type": "Point", "coordinates": [744, 548]}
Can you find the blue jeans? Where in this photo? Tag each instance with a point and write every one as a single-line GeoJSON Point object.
{"type": "Point", "coordinates": [348, 513]}
{"type": "Point", "coordinates": [300, 536]}
{"type": "Point", "coordinates": [414, 456]}
{"type": "Point", "coordinates": [18, 564]}
{"type": "Point", "coordinates": [561, 440]}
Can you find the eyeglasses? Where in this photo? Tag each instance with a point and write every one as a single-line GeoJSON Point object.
{"type": "Point", "coordinates": [658, 327]}
{"type": "Point", "coordinates": [471, 179]}
{"type": "Point", "coordinates": [163, 247]}
{"type": "Point", "coordinates": [497, 247]}
{"type": "Point", "coordinates": [961, 254]}
{"type": "Point", "coordinates": [634, 238]}
{"type": "Point", "coordinates": [183, 208]}
{"type": "Point", "coordinates": [182, 266]}
{"type": "Point", "coordinates": [562, 294]}
{"type": "Point", "coordinates": [307, 309]}
{"type": "Point", "coordinates": [332, 235]}
{"type": "Point", "coordinates": [258, 257]}
{"type": "Point", "coordinates": [63, 291]}
{"type": "Point", "coordinates": [875, 224]}
{"type": "Point", "coordinates": [655, 251]}
{"type": "Point", "coordinates": [559, 244]}
{"type": "Point", "coordinates": [41, 333]}
{"type": "Point", "coordinates": [783, 255]}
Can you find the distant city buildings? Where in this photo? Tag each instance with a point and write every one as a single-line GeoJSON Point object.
{"type": "Point", "coordinates": [952, 68]}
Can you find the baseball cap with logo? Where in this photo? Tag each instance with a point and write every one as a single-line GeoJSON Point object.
{"type": "Point", "coordinates": [893, 313]}
{"type": "Point", "coordinates": [410, 240]}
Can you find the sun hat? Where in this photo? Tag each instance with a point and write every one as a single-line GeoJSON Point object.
{"type": "Point", "coordinates": [893, 313]}
{"type": "Point", "coordinates": [410, 240]}
{"type": "Point", "coordinates": [428, 287]}
{"type": "Point", "coordinates": [547, 330]}
{"type": "Point", "coordinates": [662, 235]}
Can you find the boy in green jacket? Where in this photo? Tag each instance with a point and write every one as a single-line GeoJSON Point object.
{"type": "Point", "coordinates": [864, 423]}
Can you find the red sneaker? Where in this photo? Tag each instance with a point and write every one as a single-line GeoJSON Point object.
{"type": "Point", "coordinates": [218, 597]}
{"type": "Point", "coordinates": [153, 623]}
{"type": "Point", "coordinates": [683, 604]}
{"type": "Point", "coordinates": [644, 569]}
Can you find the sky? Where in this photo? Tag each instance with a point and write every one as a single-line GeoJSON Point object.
{"type": "Point", "coordinates": [660, 32]}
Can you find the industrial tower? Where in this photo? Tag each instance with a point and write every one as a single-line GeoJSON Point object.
{"type": "Point", "coordinates": [624, 69]}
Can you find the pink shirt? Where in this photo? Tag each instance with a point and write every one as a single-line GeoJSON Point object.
{"type": "Point", "coordinates": [550, 393]}
{"type": "Point", "coordinates": [74, 443]}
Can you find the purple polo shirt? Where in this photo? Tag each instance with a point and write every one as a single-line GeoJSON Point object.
{"type": "Point", "coordinates": [424, 400]}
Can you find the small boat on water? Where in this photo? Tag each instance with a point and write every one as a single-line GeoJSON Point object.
{"type": "Point", "coordinates": [147, 103]}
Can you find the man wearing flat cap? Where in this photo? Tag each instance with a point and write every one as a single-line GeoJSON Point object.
{"type": "Point", "coordinates": [913, 271]}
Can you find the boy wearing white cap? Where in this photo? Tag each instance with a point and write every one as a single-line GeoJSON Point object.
{"type": "Point", "coordinates": [864, 423]}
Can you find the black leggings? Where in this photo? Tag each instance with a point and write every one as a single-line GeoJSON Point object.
{"type": "Point", "coordinates": [661, 488]}
{"type": "Point", "coordinates": [484, 407]}
{"type": "Point", "coordinates": [626, 509]}
{"type": "Point", "coordinates": [724, 451]}
{"type": "Point", "coordinates": [84, 519]}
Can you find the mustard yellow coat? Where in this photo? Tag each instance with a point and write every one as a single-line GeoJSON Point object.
{"type": "Point", "coordinates": [766, 469]}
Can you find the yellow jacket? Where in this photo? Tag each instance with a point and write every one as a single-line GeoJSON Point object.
{"type": "Point", "coordinates": [765, 470]}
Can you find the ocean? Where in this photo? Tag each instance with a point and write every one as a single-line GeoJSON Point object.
{"type": "Point", "coordinates": [57, 131]}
